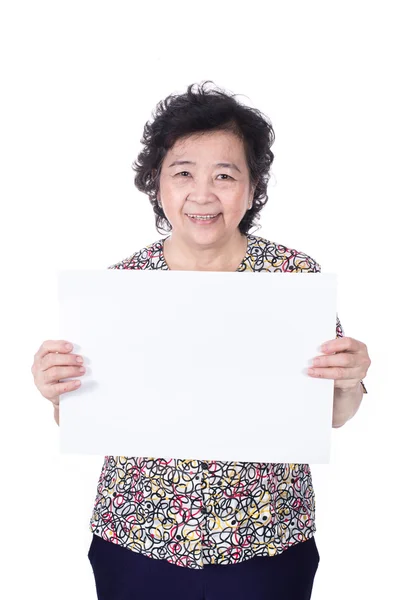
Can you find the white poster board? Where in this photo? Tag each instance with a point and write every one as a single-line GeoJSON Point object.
{"type": "Point", "coordinates": [199, 365]}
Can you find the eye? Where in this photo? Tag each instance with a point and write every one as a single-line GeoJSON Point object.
{"type": "Point", "coordinates": [221, 174]}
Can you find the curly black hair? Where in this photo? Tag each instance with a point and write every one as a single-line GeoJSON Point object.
{"type": "Point", "coordinates": [198, 111]}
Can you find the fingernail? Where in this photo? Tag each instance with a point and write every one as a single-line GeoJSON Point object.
{"type": "Point", "coordinates": [79, 359]}
{"type": "Point", "coordinates": [68, 346]}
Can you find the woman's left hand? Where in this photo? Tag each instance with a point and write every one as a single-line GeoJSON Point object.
{"type": "Point", "coordinates": [345, 360]}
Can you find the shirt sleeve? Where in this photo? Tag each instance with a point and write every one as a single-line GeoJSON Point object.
{"type": "Point", "coordinates": [340, 333]}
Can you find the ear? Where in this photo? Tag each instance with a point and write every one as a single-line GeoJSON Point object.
{"type": "Point", "coordinates": [153, 174]}
{"type": "Point", "coordinates": [251, 195]}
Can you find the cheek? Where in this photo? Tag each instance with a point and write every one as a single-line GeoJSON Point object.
{"type": "Point", "coordinates": [234, 203]}
{"type": "Point", "coordinates": [174, 190]}
{"type": "Point", "coordinates": [173, 203]}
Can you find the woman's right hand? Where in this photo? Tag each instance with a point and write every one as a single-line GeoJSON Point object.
{"type": "Point", "coordinates": [53, 362]}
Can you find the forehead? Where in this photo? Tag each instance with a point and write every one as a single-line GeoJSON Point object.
{"type": "Point", "coordinates": [212, 144]}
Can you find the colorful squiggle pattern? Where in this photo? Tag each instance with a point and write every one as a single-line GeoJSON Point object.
{"type": "Point", "coordinates": [193, 512]}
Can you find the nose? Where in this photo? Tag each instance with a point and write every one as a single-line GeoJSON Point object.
{"type": "Point", "coordinates": [202, 190]}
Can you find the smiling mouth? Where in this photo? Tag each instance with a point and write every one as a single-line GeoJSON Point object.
{"type": "Point", "coordinates": [203, 218]}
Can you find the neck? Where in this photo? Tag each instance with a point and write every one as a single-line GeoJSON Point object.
{"type": "Point", "coordinates": [226, 255]}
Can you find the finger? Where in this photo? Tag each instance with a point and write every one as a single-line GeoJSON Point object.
{"type": "Point", "coordinates": [63, 388]}
{"type": "Point", "coordinates": [52, 346]}
{"type": "Point", "coordinates": [52, 360]}
{"type": "Point", "coordinates": [335, 373]}
{"type": "Point", "coordinates": [341, 344]}
{"type": "Point", "coordinates": [341, 359]}
{"type": "Point", "coordinates": [52, 385]}
{"type": "Point", "coordinates": [54, 374]}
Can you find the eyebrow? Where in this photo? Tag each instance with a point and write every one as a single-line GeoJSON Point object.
{"type": "Point", "coordinates": [189, 162]}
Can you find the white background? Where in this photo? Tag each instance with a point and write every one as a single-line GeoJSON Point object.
{"type": "Point", "coordinates": [79, 80]}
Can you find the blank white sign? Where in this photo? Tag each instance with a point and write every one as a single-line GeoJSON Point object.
{"type": "Point", "coordinates": [198, 364]}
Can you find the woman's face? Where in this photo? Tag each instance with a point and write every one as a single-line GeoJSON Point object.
{"type": "Point", "coordinates": [205, 175]}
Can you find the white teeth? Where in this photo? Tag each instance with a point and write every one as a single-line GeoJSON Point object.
{"type": "Point", "coordinates": [202, 216]}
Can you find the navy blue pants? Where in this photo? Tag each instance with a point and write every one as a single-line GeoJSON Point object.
{"type": "Point", "coordinates": [122, 574]}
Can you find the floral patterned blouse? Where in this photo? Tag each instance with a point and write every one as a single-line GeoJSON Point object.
{"type": "Point", "coordinates": [192, 512]}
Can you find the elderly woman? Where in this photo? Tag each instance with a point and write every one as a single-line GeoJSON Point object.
{"type": "Point", "coordinates": [185, 529]}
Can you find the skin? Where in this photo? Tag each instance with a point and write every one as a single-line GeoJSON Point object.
{"type": "Point", "coordinates": [204, 188]}
{"type": "Point", "coordinates": [346, 361]}
{"type": "Point", "coordinates": [53, 361]}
